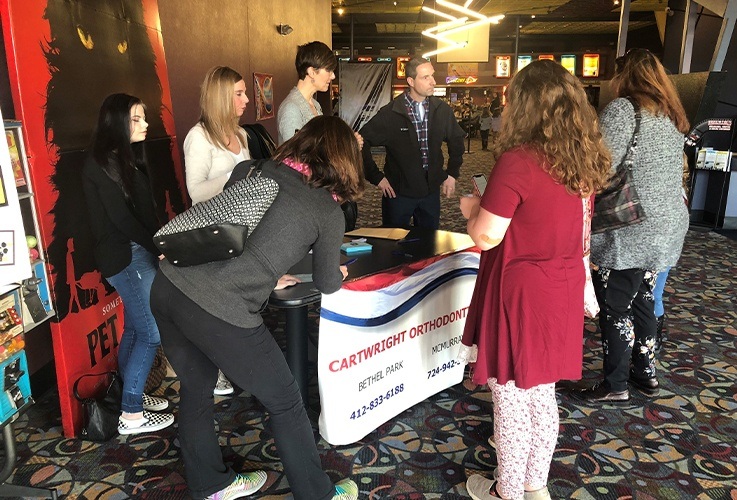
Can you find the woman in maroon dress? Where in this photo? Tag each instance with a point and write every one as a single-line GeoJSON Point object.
{"type": "Point", "coordinates": [525, 324]}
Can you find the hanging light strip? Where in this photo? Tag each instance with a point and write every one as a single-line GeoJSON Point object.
{"type": "Point", "coordinates": [449, 25]}
{"type": "Point", "coordinates": [455, 25]}
{"type": "Point", "coordinates": [460, 9]}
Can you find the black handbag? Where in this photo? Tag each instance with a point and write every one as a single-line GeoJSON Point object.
{"type": "Point", "coordinates": [217, 229]}
{"type": "Point", "coordinates": [619, 204]}
{"type": "Point", "coordinates": [101, 413]}
{"type": "Point", "coordinates": [350, 212]}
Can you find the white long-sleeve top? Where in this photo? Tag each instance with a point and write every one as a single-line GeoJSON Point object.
{"type": "Point", "coordinates": [207, 167]}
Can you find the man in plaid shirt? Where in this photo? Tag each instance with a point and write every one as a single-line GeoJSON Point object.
{"type": "Point", "coordinates": [412, 128]}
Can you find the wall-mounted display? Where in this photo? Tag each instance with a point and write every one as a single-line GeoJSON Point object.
{"type": "Point", "coordinates": [401, 62]}
{"type": "Point", "coordinates": [591, 65]}
{"type": "Point", "coordinates": [569, 63]}
{"type": "Point", "coordinates": [263, 90]}
{"type": "Point", "coordinates": [546, 56]}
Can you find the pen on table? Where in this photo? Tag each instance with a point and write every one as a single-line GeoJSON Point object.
{"type": "Point", "coordinates": [408, 241]}
{"type": "Point", "coordinates": [349, 261]}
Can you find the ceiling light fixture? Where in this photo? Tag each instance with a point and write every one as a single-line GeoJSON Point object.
{"type": "Point", "coordinates": [340, 11]}
{"type": "Point", "coordinates": [455, 25]}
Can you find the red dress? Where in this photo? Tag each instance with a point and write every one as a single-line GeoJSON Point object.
{"type": "Point", "coordinates": [526, 314]}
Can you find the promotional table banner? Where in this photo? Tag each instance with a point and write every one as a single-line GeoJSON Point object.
{"type": "Point", "coordinates": [384, 350]}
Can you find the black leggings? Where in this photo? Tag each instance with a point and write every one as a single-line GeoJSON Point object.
{"type": "Point", "coordinates": [197, 344]}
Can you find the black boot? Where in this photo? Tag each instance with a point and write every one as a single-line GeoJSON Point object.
{"type": "Point", "coordinates": [661, 333]}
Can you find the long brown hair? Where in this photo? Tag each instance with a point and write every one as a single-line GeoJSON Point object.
{"type": "Point", "coordinates": [547, 110]}
{"type": "Point", "coordinates": [217, 111]}
{"type": "Point", "coordinates": [328, 145]}
{"type": "Point", "coordinates": [641, 76]}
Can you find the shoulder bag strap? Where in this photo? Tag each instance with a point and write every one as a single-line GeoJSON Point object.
{"type": "Point", "coordinates": [76, 383]}
{"type": "Point", "coordinates": [629, 155]}
{"type": "Point", "coordinates": [256, 167]}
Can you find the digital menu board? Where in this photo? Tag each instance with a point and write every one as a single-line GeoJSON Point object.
{"type": "Point", "coordinates": [591, 65]}
{"type": "Point", "coordinates": [569, 63]}
{"type": "Point", "coordinates": [523, 61]}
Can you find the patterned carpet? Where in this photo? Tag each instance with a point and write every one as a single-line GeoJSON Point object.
{"type": "Point", "coordinates": [679, 445]}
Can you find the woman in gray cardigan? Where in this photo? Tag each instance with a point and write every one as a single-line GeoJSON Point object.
{"type": "Point", "coordinates": [629, 258]}
{"type": "Point", "coordinates": [315, 65]}
{"type": "Point", "coordinates": [209, 316]}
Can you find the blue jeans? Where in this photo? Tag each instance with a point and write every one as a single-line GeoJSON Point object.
{"type": "Point", "coordinates": [140, 333]}
{"type": "Point", "coordinates": [658, 292]}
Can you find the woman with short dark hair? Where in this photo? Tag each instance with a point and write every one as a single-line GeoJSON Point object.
{"type": "Point", "coordinates": [209, 315]}
{"type": "Point", "coordinates": [315, 64]}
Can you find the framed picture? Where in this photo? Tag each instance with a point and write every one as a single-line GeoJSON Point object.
{"type": "Point", "coordinates": [263, 90]}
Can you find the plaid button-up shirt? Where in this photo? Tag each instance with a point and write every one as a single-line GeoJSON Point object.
{"type": "Point", "coordinates": [421, 125]}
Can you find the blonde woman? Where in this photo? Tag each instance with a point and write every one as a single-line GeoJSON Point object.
{"type": "Point", "coordinates": [524, 328]}
{"type": "Point", "coordinates": [215, 145]}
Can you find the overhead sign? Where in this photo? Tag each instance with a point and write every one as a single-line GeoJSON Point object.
{"type": "Point", "coordinates": [546, 56]}
{"type": "Point", "coordinates": [460, 80]}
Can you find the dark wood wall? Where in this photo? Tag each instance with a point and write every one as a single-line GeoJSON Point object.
{"type": "Point", "coordinates": [241, 34]}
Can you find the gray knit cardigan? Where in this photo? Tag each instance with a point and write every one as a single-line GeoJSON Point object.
{"type": "Point", "coordinates": [656, 243]}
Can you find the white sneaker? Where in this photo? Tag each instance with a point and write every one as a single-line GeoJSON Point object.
{"type": "Point", "coordinates": [150, 422]}
{"type": "Point", "coordinates": [152, 403]}
{"type": "Point", "coordinates": [223, 386]}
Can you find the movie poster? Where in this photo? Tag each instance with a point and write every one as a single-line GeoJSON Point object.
{"type": "Point", "coordinates": [64, 58]}
{"type": "Point", "coordinates": [264, 95]}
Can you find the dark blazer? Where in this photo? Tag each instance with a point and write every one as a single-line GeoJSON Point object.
{"type": "Point", "coordinates": [114, 221]}
{"type": "Point", "coordinates": [393, 128]}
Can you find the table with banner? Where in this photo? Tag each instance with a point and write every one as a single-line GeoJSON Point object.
{"type": "Point", "coordinates": [388, 339]}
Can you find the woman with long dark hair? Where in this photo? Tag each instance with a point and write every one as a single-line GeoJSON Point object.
{"type": "Point", "coordinates": [209, 315]}
{"type": "Point", "coordinates": [629, 258]}
{"type": "Point", "coordinates": [123, 222]}
{"type": "Point", "coordinates": [524, 329]}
